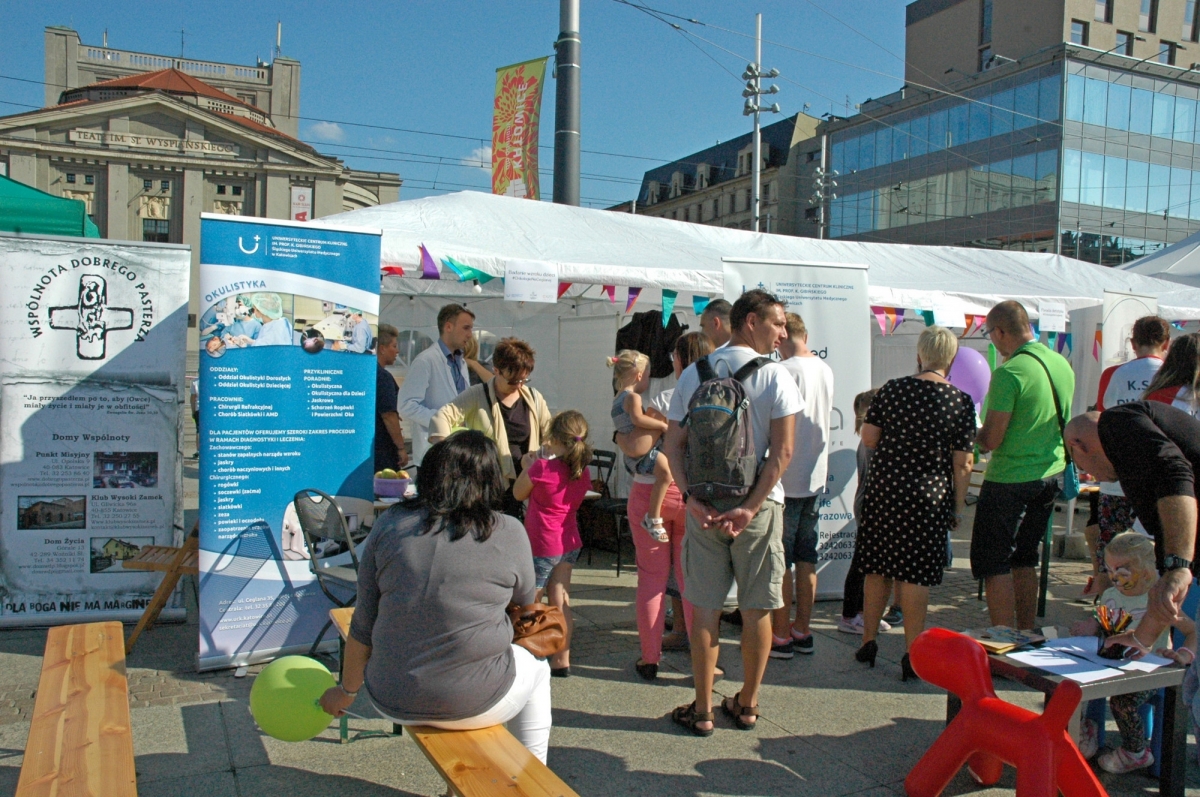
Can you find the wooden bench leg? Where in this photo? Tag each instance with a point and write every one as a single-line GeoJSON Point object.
{"type": "Point", "coordinates": [161, 595]}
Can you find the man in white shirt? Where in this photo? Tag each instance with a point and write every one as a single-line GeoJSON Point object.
{"type": "Point", "coordinates": [803, 483]}
{"type": "Point", "coordinates": [437, 375]}
{"type": "Point", "coordinates": [714, 322]}
{"type": "Point", "coordinates": [740, 541]}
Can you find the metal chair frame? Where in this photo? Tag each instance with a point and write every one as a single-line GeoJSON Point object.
{"type": "Point", "coordinates": [316, 530]}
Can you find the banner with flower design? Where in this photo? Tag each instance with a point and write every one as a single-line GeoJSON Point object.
{"type": "Point", "coordinates": [515, 117]}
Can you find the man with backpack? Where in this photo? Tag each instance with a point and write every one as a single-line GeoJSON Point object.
{"type": "Point", "coordinates": [730, 438]}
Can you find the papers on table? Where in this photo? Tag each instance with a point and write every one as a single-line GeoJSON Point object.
{"type": "Point", "coordinates": [1087, 647]}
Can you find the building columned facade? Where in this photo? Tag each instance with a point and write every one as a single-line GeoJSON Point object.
{"type": "Point", "coordinates": [148, 145]}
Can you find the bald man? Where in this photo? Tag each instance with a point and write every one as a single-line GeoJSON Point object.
{"type": "Point", "coordinates": [1153, 450]}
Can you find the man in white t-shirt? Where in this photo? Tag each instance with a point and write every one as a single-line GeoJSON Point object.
{"type": "Point", "coordinates": [714, 322]}
{"type": "Point", "coordinates": [803, 483]}
{"type": "Point", "coordinates": [741, 542]}
{"type": "Point", "coordinates": [1121, 384]}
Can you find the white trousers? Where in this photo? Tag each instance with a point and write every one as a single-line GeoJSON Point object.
{"type": "Point", "coordinates": [525, 707]}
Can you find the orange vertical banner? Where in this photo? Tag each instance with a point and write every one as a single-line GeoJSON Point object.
{"type": "Point", "coordinates": [515, 116]}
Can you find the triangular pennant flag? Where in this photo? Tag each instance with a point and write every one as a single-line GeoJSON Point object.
{"type": "Point", "coordinates": [429, 269]}
{"type": "Point", "coordinates": [699, 303]}
{"type": "Point", "coordinates": [611, 290]}
{"type": "Point", "coordinates": [562, 288]}
{"type": "Point", "coordinates": [1033, 327]}
{"type": "Point", "coordinates": [979, 321]}
{"type": "Point", "coordinates": [1064, 344]}
{"type": "Point", "coordinates": [392, 271]}
{"type": "Point", "coordinates": [1097, 344]}
{"type": "Point", "coordinates": [928, 316]}
{"type": "Point", "coordinates": [881, 317]}
{"type": "Point", "coordinates": [634, 293]}
{"type": "Point", "coordinates": [970, 319]}
{"type": "Point", "coordinates": [1051, 340]}
{"type": "Point", "coordinates": [1179, 324]}
{"type": "Point", "coordinates": [899, 318]}
{"type": "Point", "coordinates": [668, 305]}
{"type": "Point", "coordinates": [466, 272]}
{"type": "Point", "coordinates": [889, 313]}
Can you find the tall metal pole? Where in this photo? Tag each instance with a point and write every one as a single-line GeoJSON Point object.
{"type": "Point", "coordinates": [757, 126]}
{"type": "Point", "coordinates": [566, 105]}
{"type": "Point", "coordinates": [823, 168]}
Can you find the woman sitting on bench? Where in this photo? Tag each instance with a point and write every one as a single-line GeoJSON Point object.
{"type": "Point", "coordinates": [430, 639]}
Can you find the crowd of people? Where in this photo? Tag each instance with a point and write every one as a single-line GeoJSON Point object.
{"type": "Point", "coordinates": [728, 469]}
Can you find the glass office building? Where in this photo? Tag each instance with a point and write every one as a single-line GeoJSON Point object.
{"type": "Point", "coordinates": [1077, 153]}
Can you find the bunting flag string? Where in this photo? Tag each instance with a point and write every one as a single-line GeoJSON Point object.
{"type": "Point", "coordinates": [429, 269]}
{"type": "Point", "coordinates": [928, 316]}
{"type": "Point", "coordinates": [611, 290]}
{"type": "Point", "coordinates": [1064, 343]}
{"type": "Point", "coordinates": [668, 305]}
{"type": "Point", "coordinates": [699, 303]}
{"type": "Point", "coordinates": [882, 319]}
{"type": "Point", "coordinates": [1179, 324]}
{"type": "Point", "coordinates": [1097, 344]}
{"type": "Point", "coordinates": [392, 270]}
{"type": "Point", "coordinates": [562, 288]}
{"type": "Point", "coordinates": [634, 293]}
{"type": "Point", "coordinates": [466, 272]}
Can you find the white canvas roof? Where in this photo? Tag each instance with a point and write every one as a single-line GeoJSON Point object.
{"type": "Point", "coordinates": [1179, 262]}
{"type": "Point", "coordinates": [597, 247]}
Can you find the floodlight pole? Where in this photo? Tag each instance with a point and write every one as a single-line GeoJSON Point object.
{"type": "Point", "coordinates": [753, 107]}
{"type": "Point", "coordinates": [566, 105]}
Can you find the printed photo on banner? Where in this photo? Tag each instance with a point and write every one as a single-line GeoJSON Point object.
{"type": "Point", "coordinates": [37, 512]}
{"type": "Point", "coordinates": [108, 553]}
{"type": "Point", "coordinates": [129, 469]}
{"type": "Point", "coordinates": [268, 318]}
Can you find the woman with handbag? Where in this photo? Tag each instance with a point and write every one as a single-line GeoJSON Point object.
{"type": "Point", "coordinates": [431, 639]}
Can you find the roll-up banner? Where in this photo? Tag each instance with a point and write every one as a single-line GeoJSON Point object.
{"type": "Point", "coordinates": [287, 402]}
{"type": "Point", "coordinates": [516, 116]}
{"type": "Point", "coordinates": [832, 300]}
{"type": "Point", "coordinates": [94, 335]}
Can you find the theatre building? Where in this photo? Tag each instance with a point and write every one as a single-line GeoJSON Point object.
{"type": "Point", "coordinates": [1035, 125]}
{"type": "Point", "coordinates": [149, 142]}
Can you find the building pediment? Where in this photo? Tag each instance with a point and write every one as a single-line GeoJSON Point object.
{"type": "Point", "coordinates": [159, 125]}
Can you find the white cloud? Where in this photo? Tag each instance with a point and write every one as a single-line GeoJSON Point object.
{"type": "Point", "coordinates": [326, 131]}
{"type": "Point", "coordinates": [480, 158]}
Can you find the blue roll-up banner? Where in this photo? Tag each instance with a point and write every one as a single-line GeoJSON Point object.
{"type": "Point", "coordinates": [287, 402]}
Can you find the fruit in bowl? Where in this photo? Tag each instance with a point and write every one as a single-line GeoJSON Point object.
{"type": "Point", "coordinates": [391, 484]}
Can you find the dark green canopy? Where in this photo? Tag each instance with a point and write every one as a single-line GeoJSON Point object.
{"type": "Point", "coordinates": [30, 211]}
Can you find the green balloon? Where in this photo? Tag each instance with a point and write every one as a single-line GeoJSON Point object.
{"type": "Point", "coordinates": [284, 698]}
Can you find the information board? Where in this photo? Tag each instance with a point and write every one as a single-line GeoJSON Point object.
{"type": "Point", "coordinates": [287, 401]}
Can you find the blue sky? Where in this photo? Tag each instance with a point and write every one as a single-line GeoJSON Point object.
{"type": "Point", "coordinates": [426, 65]}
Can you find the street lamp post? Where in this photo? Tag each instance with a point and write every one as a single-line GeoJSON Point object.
{"type": "Point", "coordinates": [753, 77]}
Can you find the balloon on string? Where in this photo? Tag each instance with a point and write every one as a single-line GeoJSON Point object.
{"type": "Point", "coordinates": [970, 373]}
{"type": "Point", "coordinates": [284, 698]}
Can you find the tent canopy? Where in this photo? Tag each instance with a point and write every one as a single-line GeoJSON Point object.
{"type": "Point", "coordinates": [1179, 262]}
{"type": "Point", "coordinates": [27, 210]}
{"type": "Point", "coordinates": [598, 247]}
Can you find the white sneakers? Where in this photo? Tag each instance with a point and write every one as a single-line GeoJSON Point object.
{"type": "Point", "coordinates": [855, 625]}
{"type": "Point", "coordinates": [1118, 761]}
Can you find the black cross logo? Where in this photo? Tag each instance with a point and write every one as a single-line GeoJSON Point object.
{"type": "Point", "coordinates": [92, 319]}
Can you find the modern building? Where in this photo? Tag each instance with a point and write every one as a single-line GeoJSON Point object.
{"type": "Point", "coordinates": [1036, 125]}
{"type": "Point", "coordinates": [713, 186]}
{"type": "Point", "coordinates": [149, 142]}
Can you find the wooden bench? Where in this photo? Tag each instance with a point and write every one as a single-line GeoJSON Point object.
{"type": "Point", "coordinates": [488, 761]}
{"type": "Point", "coordinates": [174, 563]}
{"type": "Point", "coordinates": [80, 739]}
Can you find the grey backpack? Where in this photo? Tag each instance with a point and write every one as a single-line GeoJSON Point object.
{"type": "Point", "coordinates": [721, 461]}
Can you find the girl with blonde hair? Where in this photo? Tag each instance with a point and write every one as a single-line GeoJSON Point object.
{"type": "Point", "coordinates": [639, 435]}
{"type": "Point", "coordinates": [555, 489]}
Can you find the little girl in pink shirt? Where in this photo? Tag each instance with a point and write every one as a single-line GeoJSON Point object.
{"type": "Point", "coordinates": [555, 489]}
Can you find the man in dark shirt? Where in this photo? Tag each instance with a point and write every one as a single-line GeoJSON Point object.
{"type": "Point", "coordinates": [1153, 449]}
{"type": "Point", "coordinates": [389, 440]}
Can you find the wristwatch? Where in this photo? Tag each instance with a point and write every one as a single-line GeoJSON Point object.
{"type": "Point", "coordinates": [1174, 562]}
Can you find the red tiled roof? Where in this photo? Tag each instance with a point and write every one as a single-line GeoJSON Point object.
{"type": "Point", "coordinates": [171, 81]}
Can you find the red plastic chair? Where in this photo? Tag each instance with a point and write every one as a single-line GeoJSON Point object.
{"type": "Point", "coordinates": [990, 732]}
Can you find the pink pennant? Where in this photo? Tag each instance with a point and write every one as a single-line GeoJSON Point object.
{"type": "Point", "coordinates": [429, 269]}
{"type": "Point", "coordinates": [634, 293]}
{"type": "Point", "coordinates": [980, 320]}
{"type": "Point", "coordinates": [881, 318]}
{"type": "Point", "coordinates": [611, 290]}
{"type": "Point", "coordinates": [562, 288]}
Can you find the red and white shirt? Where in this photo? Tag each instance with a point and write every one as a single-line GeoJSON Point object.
{"type": "Point", "coordinates": [1180, 397]}
{"type": "Point", "coordinates": [1121, 384]}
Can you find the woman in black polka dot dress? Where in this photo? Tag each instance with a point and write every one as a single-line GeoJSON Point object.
{"type": "Point", "coordinates": [922, 429]}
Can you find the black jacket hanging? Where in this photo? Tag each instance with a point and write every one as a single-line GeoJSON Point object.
{"type": "Point", "coordinates": [646, 334]}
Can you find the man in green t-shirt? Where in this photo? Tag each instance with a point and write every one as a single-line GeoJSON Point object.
{"type": "Point", "coordinates": [1023, 431]}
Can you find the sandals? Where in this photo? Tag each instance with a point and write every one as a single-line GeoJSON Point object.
{"type": "Point", "coordinates": [688, 717]}
{"type": "Point", "coordinates": [741, 712]}
{"type": "Point", "coordinates": [655, 530]}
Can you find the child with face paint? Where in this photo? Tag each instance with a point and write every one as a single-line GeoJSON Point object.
{"type": "Point", "coordinates": [1129, 559]}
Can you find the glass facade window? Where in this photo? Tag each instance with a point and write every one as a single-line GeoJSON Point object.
{"type": "Point", "coordinates": [1117, 106]}
{"type": "Point", "coordinates": [1148, 16]}
{"type": "Point", "coordinates": [1079, 32]}
{"type": "Point", "coordinates": [1134, 186]}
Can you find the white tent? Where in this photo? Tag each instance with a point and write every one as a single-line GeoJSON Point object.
{"type": "Point", "coordinates": [1179, 262]}
{"type": "Point", "coordinates": [595, 247]}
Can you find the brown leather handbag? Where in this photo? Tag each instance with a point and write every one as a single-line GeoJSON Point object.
{"type": "Point", "coordinates": [539, 628]}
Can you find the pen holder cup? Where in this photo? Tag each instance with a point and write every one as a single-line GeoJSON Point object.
{"type": "Point", "coordinates": [1114, 652]}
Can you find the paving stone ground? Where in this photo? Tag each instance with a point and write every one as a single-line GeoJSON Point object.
{"type": "Point", "coordinates": [829, 725]}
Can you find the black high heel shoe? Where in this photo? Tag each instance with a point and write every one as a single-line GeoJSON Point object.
{"type": "Point", "coordinates": [906, 670]}
{"type": "Point", "coordinates": [866, 654]}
